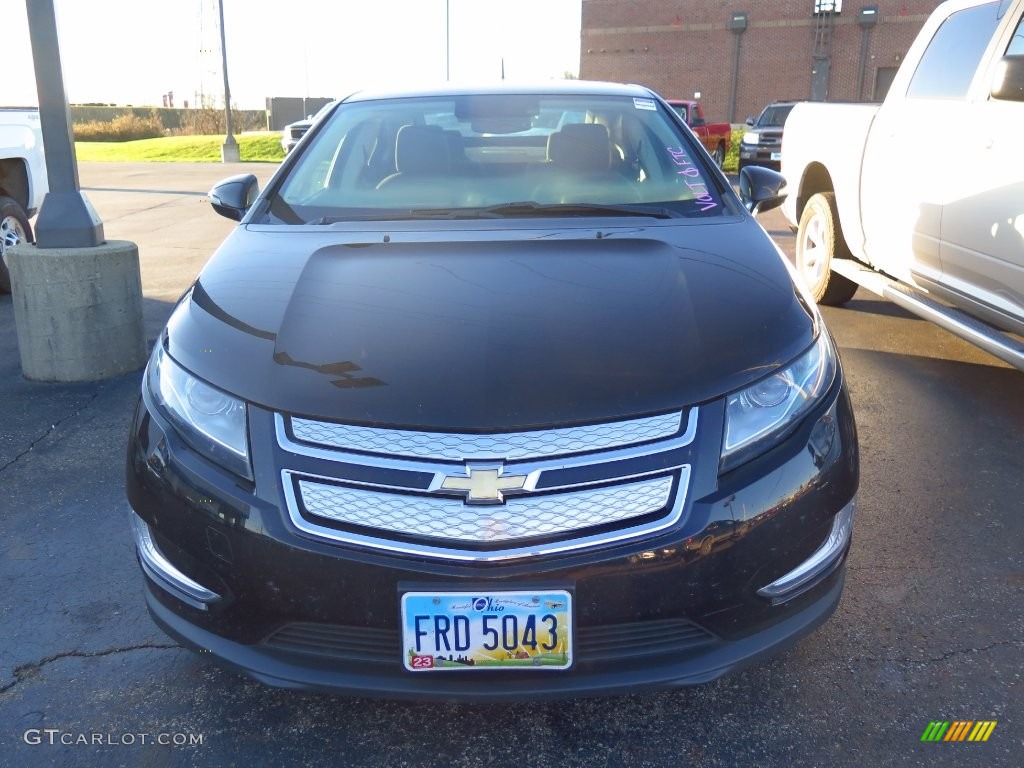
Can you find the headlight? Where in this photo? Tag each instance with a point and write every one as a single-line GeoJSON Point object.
{"type": "Point", "coordinates": [759, 416]}
{"type": "Point", "coordinates": [211, 421]}
{"type": "Point", "coordinates": [751, 138]}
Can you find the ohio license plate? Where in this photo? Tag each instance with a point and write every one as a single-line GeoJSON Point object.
{"type": "Point", "coordinates": [776, 155]}
{"type": "Point", "coordinates": [486, 630]}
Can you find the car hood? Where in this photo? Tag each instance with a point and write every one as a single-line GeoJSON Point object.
{"type": "Point", "coordinates": [490, 331]}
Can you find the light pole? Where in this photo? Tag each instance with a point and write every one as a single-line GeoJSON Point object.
{"type": "Point", "coordinates": [66, 219]}
{"type": "Point", "coordinates": [737, 24]}
{"type": "Point", "coordinates": [447, 41]}
{"type": "Point", "coordinates": [77, 296]}
{"type": "Point", "coordinates": [229, 150]}
{"type": "Point", "coordinates": [867, 18]}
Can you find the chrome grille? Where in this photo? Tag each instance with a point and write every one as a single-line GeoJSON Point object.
{"type": "Point", "coordinates": [442, 496]}
{"type": "Point", "coordinates": [522, 517]}
{"type": "Point", "coordinates": [509, 446]}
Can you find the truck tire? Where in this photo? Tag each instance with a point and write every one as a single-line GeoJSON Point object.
{"type": "Point", "coordinates": [819, 239]}
{"type": "Point", "coordinates": [14, 229]}
{"type": "Point", "coordinates": [719, 154]}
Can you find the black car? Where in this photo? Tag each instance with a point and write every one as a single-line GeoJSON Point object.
{"type": "Point", "coordinates": [762, 144]}
{"type": "Point", "coordinates": [494, 394]}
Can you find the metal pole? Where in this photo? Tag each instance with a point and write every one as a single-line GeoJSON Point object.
{"type": "Point", "coordinates": [447, 41]}
{"type": "Point", "coordinates": [864, 40]}
{"type": "Point", "coordinates": [66, 219]}
{"type": "Point", "coordinates": [229, 152]}
{"type": "Point", "coordinates": [735, 78]}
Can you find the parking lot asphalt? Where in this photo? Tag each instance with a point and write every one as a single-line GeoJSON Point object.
{"type": "Point", "coordinates": [930, 626]}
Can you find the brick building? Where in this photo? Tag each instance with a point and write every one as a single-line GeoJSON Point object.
{"type": "Point", "coordinates": [785, 49]}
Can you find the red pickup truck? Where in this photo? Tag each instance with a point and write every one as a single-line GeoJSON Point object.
{"type": "Point", "coordinates": [714, 136]}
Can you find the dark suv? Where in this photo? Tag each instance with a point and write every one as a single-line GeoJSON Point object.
{"type": "Point", "coordinates": [494, 393]}
{"type": "Point", "coordinates": [762, 144]}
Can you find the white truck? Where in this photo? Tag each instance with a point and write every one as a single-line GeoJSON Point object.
{"type": "Point", "coordinates": [921, 199]}
{"type": "Point", "coordinates": [22, 180]}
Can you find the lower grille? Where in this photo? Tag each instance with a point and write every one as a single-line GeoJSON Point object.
{"type": "Point", "coordinates": [612, 642]}
{"type": "Point", "coordinates": [361, 644]}
{"type": "Point", "coordinates": [616, 642]}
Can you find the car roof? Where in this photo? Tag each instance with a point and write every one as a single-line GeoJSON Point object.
{"type": "Point", "coordinates": [546, 87]}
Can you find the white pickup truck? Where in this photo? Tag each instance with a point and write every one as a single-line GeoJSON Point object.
{"type": "Point", "coordinates": [22, 180]}
{"type": "Point", "coordinates": [921, 199]}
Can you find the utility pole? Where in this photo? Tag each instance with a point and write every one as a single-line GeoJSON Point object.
{"type": "Point", "coordinates": [229, 150]}
{"type": "Point", "coordinates": [447, 41]}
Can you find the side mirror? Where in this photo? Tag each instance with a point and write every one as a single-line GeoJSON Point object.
{"type": "Point", "coordinates": [750, 122]}
{"type": "Point", "coordinates": [761, 189]}
{"type": "Point", "coordinates": [233, 196]}
{"type": "Point", "coordinates": [1008, 83]}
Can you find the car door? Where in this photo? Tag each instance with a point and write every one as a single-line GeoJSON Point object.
{"type": "Point", "coordinates": [982, 234]}
{"type": "Point", "coordinates": [911, 165]}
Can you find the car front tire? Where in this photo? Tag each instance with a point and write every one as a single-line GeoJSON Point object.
{"type": "Point", "coordinates": [819, 239]}
{"type": "Point", "coordinates": [719, 155]}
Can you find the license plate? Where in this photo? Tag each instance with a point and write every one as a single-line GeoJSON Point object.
{"type": "Point", "coordinates": [776, 155]}
{"type": "Point", "coordinates": [486, 630]}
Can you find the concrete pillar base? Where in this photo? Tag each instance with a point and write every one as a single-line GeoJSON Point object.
{"type": "Point", "coordinates": [78, 311]}
{"type": "Point", "coordinates": [229, 153]}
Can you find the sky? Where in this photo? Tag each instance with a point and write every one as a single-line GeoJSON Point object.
{"type": "Point", "coordinates": [134, 51]}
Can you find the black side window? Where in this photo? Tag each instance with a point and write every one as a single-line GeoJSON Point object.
{"type": "Point", "coordinates": [1016, 47]}
{"type": "Point", "coordinates": [952, 57]}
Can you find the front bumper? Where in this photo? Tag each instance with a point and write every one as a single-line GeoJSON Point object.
{"type": "Point", "coordinates": [755, 155]}
{"type": "Point", "coordinates": [308, 672]}
{"type": "Point", "coordinates": [678, 608]}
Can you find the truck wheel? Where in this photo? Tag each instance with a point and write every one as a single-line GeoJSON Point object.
{"type": "Point", "coordinates": [719, 154]}
{"type": "Point", "coordinates": [819, 239]}
{"type": "Point", "coordinates": [14, 229]}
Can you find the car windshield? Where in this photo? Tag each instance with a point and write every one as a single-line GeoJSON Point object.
{"type": "Point", "coordinates": [490, 156]}
{"type": "Point", "coordinates": [775, 116]}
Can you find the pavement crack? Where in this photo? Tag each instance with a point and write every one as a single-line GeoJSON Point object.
{"type": "Point", "coordinates": [32, 669]}
{"type": "Point", "coordinates": [958, 652]}
{"type": "Point", "coordinates": [51, 430]}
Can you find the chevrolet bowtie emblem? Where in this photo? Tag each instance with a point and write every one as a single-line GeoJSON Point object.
{"type": "Point", "coordinates": [484, 486]}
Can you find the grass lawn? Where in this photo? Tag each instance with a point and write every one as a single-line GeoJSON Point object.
{"type": "Point", "coordinates": [260, 148]}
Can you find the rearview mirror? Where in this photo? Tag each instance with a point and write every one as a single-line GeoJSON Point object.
{"type": "Point", "coordinates": [761, 189]}
{"type": "Point", "coordinates": [233, 196]}
{"type": "Point", "coordinates": [1008, 83]}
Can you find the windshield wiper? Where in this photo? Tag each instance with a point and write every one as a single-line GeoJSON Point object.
{"type": "Point", "coordinates": [506, 210]}
{"type": "Point", "coordinates": [415, 213]}
{"type": "Point", "coordinates": [530, 208]}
